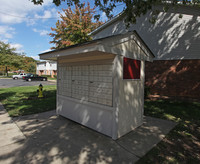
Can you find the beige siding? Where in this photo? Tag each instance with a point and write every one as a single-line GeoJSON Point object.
{"type": "Point", "coordinates": [85, 93]}
{"type": "Point", "coordinates": [131, 101]}
{"type": "Point", "coordinates": [170, 37]}
{"type": "Point", "coordinates": [134, 50]}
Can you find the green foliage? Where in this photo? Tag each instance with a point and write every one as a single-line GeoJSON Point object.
{"type": "Point", "coordinates": [146, 91]}
{"type": "Point", "coordinates": [133, 8]}
{"type": "Point", "coordinates": [74, 26]}
{"type": "Point", "coordinates": [10, 60]}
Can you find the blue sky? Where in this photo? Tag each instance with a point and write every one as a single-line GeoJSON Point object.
{"type": "Point", "coordinates": [26, 26]}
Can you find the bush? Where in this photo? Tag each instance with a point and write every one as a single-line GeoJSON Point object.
{"type": "Point", "coordinates": [10, 74]}
{"type": "Point", "coordinates": [146, 92]}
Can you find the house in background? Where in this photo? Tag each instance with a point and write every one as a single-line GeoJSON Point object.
{"type": "Point", "coordinates": [47, 68]}
{"type": "Point", "coordinates": [175, 42]}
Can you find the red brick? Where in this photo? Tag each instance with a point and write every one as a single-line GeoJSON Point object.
{"type": "Point", "coordinates": [179, 78]}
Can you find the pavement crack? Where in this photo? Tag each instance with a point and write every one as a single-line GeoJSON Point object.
{"type": "Point", "coordinates": [126, 149]}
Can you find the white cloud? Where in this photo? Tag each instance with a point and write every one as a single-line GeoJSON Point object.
{"type": "Point", "coordinates": [47, 14]}
{"type": "Point", "coordinates": [35, 57]}
{"type": "Point", "coordinates": [18, 47]}
{"type": "Point", "coordinates": [15, 11]}
{"type": "Point", "coordinates": [41, 32]}
{"type": "Point", "coordinates": [103, 17]}
{"type": "Point", "coordinates": [6, 32]}
{"type": "Point", "coordinates": [45, 51]}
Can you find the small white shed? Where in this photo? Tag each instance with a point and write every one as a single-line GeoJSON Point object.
{"type": "Point", "coordinates": [100, 83]}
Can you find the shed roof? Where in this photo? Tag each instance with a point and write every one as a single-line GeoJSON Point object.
{"type": "Point", "coordinates": [100, 45]}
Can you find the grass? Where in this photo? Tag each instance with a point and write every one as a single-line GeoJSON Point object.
{"type": "Point", "coordinates": [49, 77]}
{"type": "Point", "coordinates": [182, 144]}
{"type": "Point", "coordinates": [23, 100]}
{"type": "Point", "coordinates": [9, 75]}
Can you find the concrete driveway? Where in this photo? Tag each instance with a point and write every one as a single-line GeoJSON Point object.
{"type": "Point", "coordinates": [7, 83]}
{"type": "Point", "coordinates": [54, 139]}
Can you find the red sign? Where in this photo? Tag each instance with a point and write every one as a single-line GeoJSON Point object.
{"type": "Point", "coordinates": [131, 68]}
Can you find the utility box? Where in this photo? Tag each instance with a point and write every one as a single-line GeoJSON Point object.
{"type": "Point", "coordinates": [100, 84]}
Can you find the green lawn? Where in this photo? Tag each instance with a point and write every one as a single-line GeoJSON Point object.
{"type": "Point", "coordinates": [23, 100]}
{"type": "Point", "coordinates": [182, 144]}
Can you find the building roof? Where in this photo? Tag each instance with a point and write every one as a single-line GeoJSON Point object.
{"type": "Point", "coordinates": [96, 45]}
{"type": "Point", "coordinates": [107, 23]}
{"type": "Point", "coordinates": [187, 9]}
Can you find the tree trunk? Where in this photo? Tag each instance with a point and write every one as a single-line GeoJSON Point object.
{"type": "Point", "coordinates": [6, 71]}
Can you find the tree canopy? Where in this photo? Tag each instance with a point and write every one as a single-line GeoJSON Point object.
{"type": "Point", "coordinates": [74, 26]}
{"type": "Point", "coordinates": [10, 60]}
{"type": "Point", "coordinates": [133, 8]}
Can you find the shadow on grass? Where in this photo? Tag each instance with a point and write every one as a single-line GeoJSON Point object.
{"type": "Point", "coordinates": [172, 110]}
{"type": "Point", "coordinates": [5, 95]}
{"type": "Point", "coordinates": [181, 145]}
{"type": "Point", "coordinates": [22, 102]}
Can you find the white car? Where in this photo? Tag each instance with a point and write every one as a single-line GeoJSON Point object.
{"type": "Point", "coordinates": [20, 76]}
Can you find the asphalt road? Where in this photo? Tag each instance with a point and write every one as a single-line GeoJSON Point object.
{"type": "Point", "coordinates": [7, 83]}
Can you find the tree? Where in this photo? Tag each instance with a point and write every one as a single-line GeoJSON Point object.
{"type": "Point", "coordinates": [133, 8]}
{"type": "Point", "coordinates": [74, 26]}
{"type": "Point", "coordinates": [9, 59]}
{"type": "Point", "coordinates": [5, 52]}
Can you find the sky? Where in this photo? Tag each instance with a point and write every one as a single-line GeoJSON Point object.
{"type": "Point", "coordinates": [26, 26]}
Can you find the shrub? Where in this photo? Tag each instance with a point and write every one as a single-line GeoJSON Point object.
{"type": "Point", "coordinates": [146, 92]}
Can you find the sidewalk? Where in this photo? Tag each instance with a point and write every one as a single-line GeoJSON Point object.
{"type": "Point", "coordinates": [54, 139]}
{"type": "Point", "coordinates": [9, 132]}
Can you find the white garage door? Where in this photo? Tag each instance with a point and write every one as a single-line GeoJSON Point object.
{"type": "Point", "coordinates": [89, 82]}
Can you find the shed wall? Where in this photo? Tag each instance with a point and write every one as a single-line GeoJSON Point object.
{"type": "Point", "coordinates": [131, 101]}
{"type": "Point", "coordinates": [94, 116]}
{"type": "Point", "coordinates": [94, 111]}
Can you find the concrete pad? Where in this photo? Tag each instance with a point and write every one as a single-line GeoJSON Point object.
{"type": "Point", "coordinates": [145, 137]}
{"type": "Point", "coordinates": [9, 132]}
{"type": "Point", "coordinates": [54, 139]}
{"type": "Point", "coordinates": [59, 140]}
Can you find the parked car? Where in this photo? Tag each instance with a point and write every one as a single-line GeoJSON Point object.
{"type": "Point", "coordinates": [34, 77]}
{"type": "Point", "coordinates": [20, 76]}
{"type": "Point", "coordinates": [28, 74]}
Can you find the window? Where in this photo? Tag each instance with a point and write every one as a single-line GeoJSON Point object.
{"type": "Point", "coordinates": [131, 68]}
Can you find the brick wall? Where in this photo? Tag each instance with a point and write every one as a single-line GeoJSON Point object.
{"type": "Point", "coordinates": [174, 78]}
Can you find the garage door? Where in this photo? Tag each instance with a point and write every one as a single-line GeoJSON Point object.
{"type": "Point", "coordinates": [91, 83]}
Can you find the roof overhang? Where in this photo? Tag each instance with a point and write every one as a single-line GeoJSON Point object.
{"type": "Point", "coordinates": [106, 24]}
{"type": "Point", "coordinates": [104, 45]}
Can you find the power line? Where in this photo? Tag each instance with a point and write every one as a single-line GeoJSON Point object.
{"type": "Point", "coordinates": [25, 17]}
{"type": "Point", "coordinates": [17, 16]}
